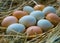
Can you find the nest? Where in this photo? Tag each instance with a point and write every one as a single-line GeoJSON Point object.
{"type": "Point", "coordinates": [8, 6]}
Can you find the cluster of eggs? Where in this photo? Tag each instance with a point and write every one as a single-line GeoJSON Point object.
{"type": "Point", "coordinates": [32, 20]}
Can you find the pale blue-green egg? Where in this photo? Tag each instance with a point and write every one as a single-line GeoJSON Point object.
{"type": "Point", "coordinates": [49, 9]}
{"type": "Point", "coordinates": [28, 9]}
{"type": "Point", "coordinates": [27, 20]}
{"type": "Point", "coordinates": [44, 24]}
{"type": "Point", "coordinates": [37, 14]}
{"type": "Point", "coordinates": [15, 27]}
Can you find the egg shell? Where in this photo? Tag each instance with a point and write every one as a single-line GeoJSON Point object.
{"type": "Point", "coordinates": [39, 7]}
{"type": "Point", "coordinates": [27, 20]}
{"type": "Point", "coordinates": [15, 27]}
{"type": "Point", "coordinates": [37, 14]}
{"type": "Point", "coordinates": [53, 18]}
{"type": "Point", "coordinates": [49, 9]}
{"type": "Point", "coordinates": [9, 20]}
{"type": "Point", "coordinates": [19, 14]}
{"type": "Point", "coordinates": [44, 24]}
{"type": "Point", "coordinates": [33, 30]}
{"type": "Point", "coordinates": [28, 9]}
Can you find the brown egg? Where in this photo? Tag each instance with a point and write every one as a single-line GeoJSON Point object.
{"type": "Point", "coordinates": [33, 30]}
{"type": "Point", "coordinates": [9, 20]}
{"type": "Point", "coordinates": [39, 7]}
{"type": "Point", "coordinates": [19, 14]}
{"type": "Point", "coordinates": [53, 18]}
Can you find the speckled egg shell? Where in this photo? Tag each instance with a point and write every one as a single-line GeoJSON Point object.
{"type": "Point", "coordinates": [19, 14]}
{"type": "Point", "coordinates": [33, 30]}
{"type": "Point", "coordinates": [15, 27]}
{"type": "Point", "coordinates": [49, 9]}
{"type": "Point", "coordinates": [27, 20]}
{"type": "Point", "coordinates": [37, 14]}
{"type": "Point", "coordinates": [9, 20]}
{"type": "Point", "coordinates": [39, 7]}
{"type": "Point", "coordinates": [28, 9]}
{"type": "Point", "coordinates": [44, 24]}
{"type": "Point", "coordinates": [53, 18]}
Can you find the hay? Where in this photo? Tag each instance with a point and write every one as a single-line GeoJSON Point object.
{"type": "Point", "coordinates": [6, 9]}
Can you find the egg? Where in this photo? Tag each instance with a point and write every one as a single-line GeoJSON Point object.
{"type": "Point", "coordinates": [9, 20]}
{"type": "Point", "coordinates": [28, 9]}
{"type": "Point", "coordinates": [33, 30]}
{"type": "Point", "coordinates": [27, 20]}
{"type": "Point", "coordinates": [53, 18]}
{"type": "Point", "coordinates": [15, 27]}
{"type": "Point", "coordinates": [39, 7]}
{"type": "Point", "coordinates": [19, 14]}
{"type": "Point", "coordinates": [44, 24]}
{"type": "Point", "coordinates": [37, 14]}
{"type": "Point", "coordinates": [49, 9]}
